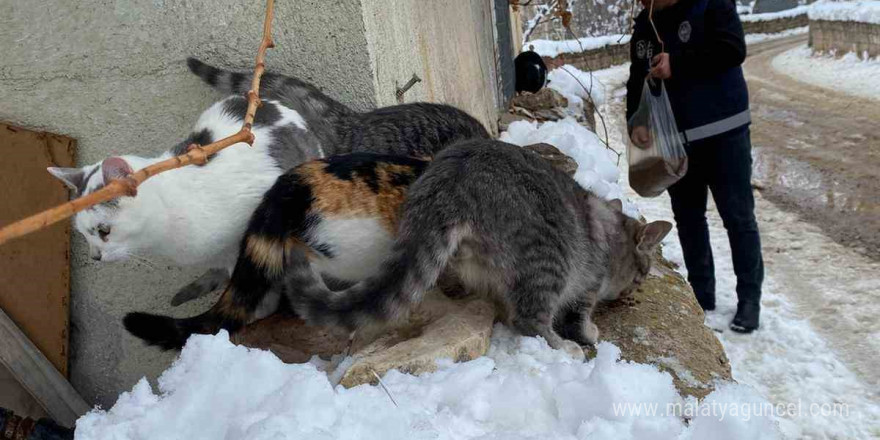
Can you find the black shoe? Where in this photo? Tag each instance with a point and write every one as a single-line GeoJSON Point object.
{"type": "Point", "coordinates": [706, 300]}
{"type": "Point", "coordinates": [746, 319]}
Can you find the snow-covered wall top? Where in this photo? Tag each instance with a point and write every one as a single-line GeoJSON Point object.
{"type": "Point", "coordinates": [860, 11]}
{"type": "Point", "coordinates": [550, 48]}
{"type": "Point", "coordinates": [793, 12]}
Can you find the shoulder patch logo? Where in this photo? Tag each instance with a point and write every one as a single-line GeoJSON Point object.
{"type": "Point", "coordinates": [641, 49]}
{"type": "Point", "coordinates": [684, 31]}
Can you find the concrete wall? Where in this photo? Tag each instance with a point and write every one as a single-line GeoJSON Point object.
{"type": "Point", "coordinates": [112, 75]}
{"type": "Point", "coordinates": [615, 54]}
{"type": "Point", "coordinates": [448, 44]}
{"type": "Point", "coordinates": [775, 25]}
{"type": "Point", "coordinates": [845, 36]}
{"type": "Point", "coordinates": [593, 59]}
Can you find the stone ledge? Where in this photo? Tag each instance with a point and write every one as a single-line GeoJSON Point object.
{"type": "Point", "coordinates": [661, 324]}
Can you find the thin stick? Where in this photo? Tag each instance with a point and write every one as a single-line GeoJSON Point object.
{"type": "Point", "coordinates": [127, 186]}
{"type": "Point", "coordinates": [590, 95]}
{"type": "Point", "coordinates": [387, 391]}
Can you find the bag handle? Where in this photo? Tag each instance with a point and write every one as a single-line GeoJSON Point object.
{"type": "Point", "coordinates": [656, 34]}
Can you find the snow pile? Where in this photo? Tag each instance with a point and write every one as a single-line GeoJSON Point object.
{"type": "Point", "coordinates": [597, 165]}
{"type": "Point", "coordinates": [848, 74]}
{"type": "Point", "coordinates": [552, 48]}
{"type": "Point", "coordinates": [576, 85]}
{"type": "Point", "coordinates": [767, 16]}
{"type": "Point", "coordinates": [787, 360]}
{"type": "Point", "coordinates": [756, 38]}
{"type": "Point", "coordinates": [522, 389]}
{"type": "Point", "coordinates": [860, 11]}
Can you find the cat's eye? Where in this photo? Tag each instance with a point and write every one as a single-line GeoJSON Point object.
{"type": "Point", "coordinates": [103, 231]}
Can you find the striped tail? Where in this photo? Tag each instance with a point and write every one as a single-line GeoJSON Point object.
{"type": "Point", "coordinates": [301, 96]}
{"type": "Point", "coordinates": [411, 270]}
{"type": "Point", "coordinates": [254, 289]}
{"type": "Point", "coordinates": [222, 80]}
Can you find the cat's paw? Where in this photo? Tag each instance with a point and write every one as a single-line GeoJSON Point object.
{"type": "Point", "coordinates": [591, 332]}
{"type": "Point", "coordinates": [574, 349]}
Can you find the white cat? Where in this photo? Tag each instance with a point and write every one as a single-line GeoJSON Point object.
{"type": "Point", "coordinates": [196, 215]}
{"type": "Point", "coordinates": [193, 215]}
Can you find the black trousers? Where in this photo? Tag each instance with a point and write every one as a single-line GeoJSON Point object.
{"type": "Point", "coordinates": [721, 164]}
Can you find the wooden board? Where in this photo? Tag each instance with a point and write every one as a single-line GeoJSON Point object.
{"type": "Point", "coordinates": [35, 269]}
{"type": "Point", "coordinates": [38, 376]}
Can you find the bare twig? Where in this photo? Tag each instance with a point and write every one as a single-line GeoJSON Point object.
{"type": "Point", "coordinates": [387, 391]}
{"type": "Point", "coordinates": [541, 16]}
{"type": "Point", "coordinates": [590, 96]}
{"type": "Point", "coordinates": [127, 186]}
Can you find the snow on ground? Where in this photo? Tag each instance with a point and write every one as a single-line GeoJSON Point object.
{"type": "Point", "coordinates": [848, 74]}
{"type": "Point", "coordinates": [597, 166]}
{"type": "Point", "coordinates": [767, 16]}
{"type": "Point", "coordinates": [757, 38]}
{"type": "Point", "coordinates": [522, 389]}
{"type": "Point", "coordinates": [860, 11]}
{"type": "Point", "coordinates": [786, 360]}
{"type": "Point", "coordinates": [552, 48]}
{"type": "Point", "coordinates": [576, 85]}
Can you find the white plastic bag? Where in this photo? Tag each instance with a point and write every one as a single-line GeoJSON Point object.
{"type": "Point", "coordinates": [664, 161]}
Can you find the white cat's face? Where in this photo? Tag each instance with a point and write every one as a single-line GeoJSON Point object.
{"type": "Point", "coordinates": [113, 230]}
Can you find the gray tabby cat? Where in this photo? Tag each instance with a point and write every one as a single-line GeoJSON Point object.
{"type": "Point", "coordinates": [507, 226]}
{"type": "Point", "coordinates": [197, 215]}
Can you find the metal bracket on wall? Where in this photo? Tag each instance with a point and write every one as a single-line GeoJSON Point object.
{"type": "Point", "coordinates": [401, 90]}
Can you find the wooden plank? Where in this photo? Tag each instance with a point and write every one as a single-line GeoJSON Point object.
{"type": "Point", "coordinates": [35, 270]}
{"type": "Point", "coordinates": [38, 376]}
{"type": "Point", "coordinates": [13, 396]}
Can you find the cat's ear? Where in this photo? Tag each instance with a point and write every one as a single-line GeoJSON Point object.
{"type": "Point", "coordinates": [114, 168]}
{"type": "Point", "coordinates": [617, 205]}
{"type": "Point", "coordinates": [652, 234]}
{"type": "Point", "coordinates": [74, 178]}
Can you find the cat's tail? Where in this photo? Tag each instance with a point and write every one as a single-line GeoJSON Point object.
{"type": "Point", "coordinates": [253, 292]}
{"type": "Point", "coordinates": [222, 80]}
{"type": "Point", "coordinates": [413, 268]}
{"type": "Point", "coordinates": [271, 242]}
{"type": "Point", "coordinates": [171, 333]}
{"type": "Point", "coordinates": [293, 93]}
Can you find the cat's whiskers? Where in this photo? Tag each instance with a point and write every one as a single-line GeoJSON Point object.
{"type": "Point", "coordinates": [134, 257]}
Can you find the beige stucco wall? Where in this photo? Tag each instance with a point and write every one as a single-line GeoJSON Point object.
{"type": "Point", "coordinates": [448, 44]}
{"type": "Point", "coordinates": [113, 76]}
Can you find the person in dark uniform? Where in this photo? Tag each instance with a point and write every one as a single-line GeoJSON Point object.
{"type": "Point", "coordinates": [700, 62]}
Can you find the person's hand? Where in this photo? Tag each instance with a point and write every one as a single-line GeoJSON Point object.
{"type": "Point", "coordinates": [641, 137]}
{"type": "Point", "coordinates": [660, 67]}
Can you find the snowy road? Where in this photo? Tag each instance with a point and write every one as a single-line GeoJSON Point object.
{"type": "Point", "coordinates": [820, 339]}
{"type": "Point", "coordinates": [817, 150]}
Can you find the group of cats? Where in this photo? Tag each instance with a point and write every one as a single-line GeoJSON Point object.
{"type": "Point", "coordinates": [376, 205]}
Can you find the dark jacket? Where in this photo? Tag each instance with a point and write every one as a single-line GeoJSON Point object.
{"type": "Point", "coordinates": [706, 46]}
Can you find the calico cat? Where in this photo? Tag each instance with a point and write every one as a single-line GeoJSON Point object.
{"type": "Point", "coordinates": [296, 123]}
{"type": "Point", "coordinates": [516, 229]}
{"type": "Point", "coordinates": [339, 213]}
{"type": "Point", "coordinates": [499, 220]}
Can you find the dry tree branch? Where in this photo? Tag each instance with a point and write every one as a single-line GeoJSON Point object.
{"type": "Point", "coordinates": [542, 15]}
{"type": "Point", "coordinates": [127, 186]}
{"type": "Point", "coordinates": [590, 95]}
